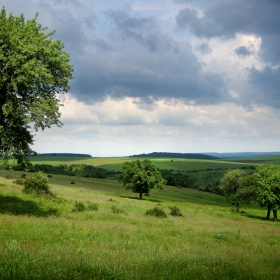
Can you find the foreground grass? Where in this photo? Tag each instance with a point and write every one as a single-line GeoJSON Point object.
{"type": "Point", "coordinates": [42, 238]}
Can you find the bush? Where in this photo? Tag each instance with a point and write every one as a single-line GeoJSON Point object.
{"type": "Point", "coordinates": [21, 180]}
{"type": "Point", "coordinates": [37, 183]}
{"type": "Point", "coordinates": [92, 206]}
{"type": "Point", "coordinates": [175, 211]}
{"type": "Point", "coordinates": [156, 212]}
{"type": "Point", "coordinates": [117, 210]}
{"type": "Point", "coordinates": [79, 207]}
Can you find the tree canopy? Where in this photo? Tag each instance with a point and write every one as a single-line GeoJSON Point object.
{"type": "Point", "coordinates": [266, 180]}
{"type": "Point", "coordinates": [34, 69]}
{"type": "Point", "coordinates": [230, 184]}
{"type": "Point", "coordinates": [262, 186]}
{"type": "Point", "coordinates": [141, 176]}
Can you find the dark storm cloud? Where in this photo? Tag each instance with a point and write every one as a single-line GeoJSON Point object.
{"type": "Point", "coordinates": [226, 18]}
{"type": "Point", "coordinates": [243, 51]}
{"type": "Point", "coordinates": [267, 84]}
{"type": "Point", "coordinates": [140, 60]}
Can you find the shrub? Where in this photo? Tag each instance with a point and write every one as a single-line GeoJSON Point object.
{"type": "Point", "coordinates": [117, 210]}
{"type": "Point", "coordinates": [79, 207]}
{"type": "Point", "coordinates": [37, 183]}
{"type": "Point", "coordinates": [21, 180]}
{"type": "Point", "coordinates": [175, 211]}
{"type": "Point", "coordinates": [92, 206]}
{"type": "Point", "coordinates": [156, 212]}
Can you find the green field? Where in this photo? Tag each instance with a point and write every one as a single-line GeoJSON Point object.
{"type": "Point", "coordinates": [42, 238]}
{"type": "Point", "coordinates": [193, 173]}
{"type": "Point", "coordinates": [161, 163]}
{"type": "Point", "coordinates": [197, 174]}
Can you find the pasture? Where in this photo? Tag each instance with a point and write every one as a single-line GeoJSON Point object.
{"type": "Point", "coordinates": [43, 238]}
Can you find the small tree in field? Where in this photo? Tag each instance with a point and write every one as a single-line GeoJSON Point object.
{"type": "Point", "coordinates": [141, 176]}
{"type": "Point", "coordinates": [33, 70]}
{"type": "Point", "coordinates": [230, 185]}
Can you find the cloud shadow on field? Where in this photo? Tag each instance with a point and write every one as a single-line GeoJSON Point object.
{"type": "Point", "coordinates": [17, 206]}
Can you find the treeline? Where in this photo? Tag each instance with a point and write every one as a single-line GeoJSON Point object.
{"type": "Point", "coordinates": [80, 170]}
{"type": "Point", "coordinates": [62, 155]}
{"type": "Point", "coordinates": [176, 155]}
{"type": "Point", "coordinates": [193, 180]}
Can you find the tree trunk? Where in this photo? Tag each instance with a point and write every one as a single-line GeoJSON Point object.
{"type": "Point", "coordinates": [268, 212]}
{"type": "Point", "coordinates": [275, 215]}
{"type": "Point", "coordinates": [237, 207]}
{"type": "Point", "coordinates": [140, 195]}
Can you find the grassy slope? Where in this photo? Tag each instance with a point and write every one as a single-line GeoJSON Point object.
{"type": "Point", "coordinates": [41, 238]}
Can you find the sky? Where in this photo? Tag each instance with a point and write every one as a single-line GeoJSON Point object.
{"type": "Point", "coordinates": [186, 76]}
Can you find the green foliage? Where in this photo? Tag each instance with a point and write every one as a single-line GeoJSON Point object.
{"type": "Point", "coordinates": [156, 212]}
{"type": "Point", "coordinates": [79, 207]}
{"type": "Point", "coordinates": [92, 206]}
{"type": "Point", "coordinates": [141, 177]}
{"type": "Point", "coordinates": [117, 210]}
{"type": "Point", "coordinates": [230, 184]}
{"type": "Point", "coordinates": [81, 170]}
{"type": "Point", "coordinates": [37, 183]}
{"type": "Point", "coordinates": [33, 70]}
{"type": "Point", "coordinates": [175, 211]}
{"type": "Point", "coordinates": [266, 181]}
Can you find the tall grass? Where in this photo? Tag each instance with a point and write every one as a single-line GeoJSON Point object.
{"type": "Point", "coordinates": [42, 238]}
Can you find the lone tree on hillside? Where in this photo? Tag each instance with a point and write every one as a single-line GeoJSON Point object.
{"type": "Point", "coordinates": [266, 181]}
{"type": "Point", "coordinates": [230, 184]}
{"type": "Point", "coordinates": [141, 176]}
{"type": "Point", "coordinates": [34, 69]}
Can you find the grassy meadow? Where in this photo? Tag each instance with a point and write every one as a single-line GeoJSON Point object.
{"type": "Point", "coordinates": [43, 238]}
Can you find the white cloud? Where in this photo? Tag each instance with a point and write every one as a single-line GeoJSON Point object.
{"type": "Point", "coordinates": [122, 128]}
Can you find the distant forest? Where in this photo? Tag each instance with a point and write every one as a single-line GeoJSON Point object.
{"type": "Point", "coordinates": [176, 155]}
{"type": "Point", "coordinates": [62, 155]}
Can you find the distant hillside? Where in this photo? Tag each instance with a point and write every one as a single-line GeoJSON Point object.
{"type": "Point", "coordinates": [176, 155]}
{"type": "Point", "coordinates": [242, 155]}
{"type": "Point", "coordinates": [62, 155]}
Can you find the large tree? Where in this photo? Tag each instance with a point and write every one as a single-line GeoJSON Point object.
{"type": "Point", "coordinates": [266, 181]}
{"type": "Point", "coordinates": [141, 176]}
{"type": "Point", "coordinates": [34, 69]}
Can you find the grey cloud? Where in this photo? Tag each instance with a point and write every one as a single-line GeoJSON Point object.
{"type": "Point", "coordinates": [204, 49]}
{"type": "Point", "coordinates": [267, 84]}
{"type": "Point", "coordinates": [243, 51]}
{"type": "Point", "coordinates": [188, 19]}
{"type": "Point", "coordinates": [270, 50]}
{"type": "Point", "coordinates": [140, 60]}
{"type": "Point", "coordinates": [143, 30]}
{"type": "Point", "coordinates": [226, 18]}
